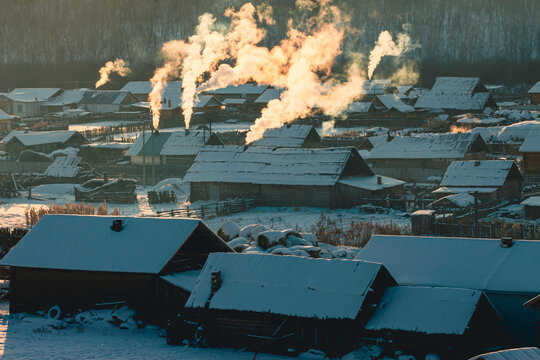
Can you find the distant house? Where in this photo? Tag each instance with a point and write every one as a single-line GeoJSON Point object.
{"type": "Point", "coordinates": [491, 179]}
{"type": "Point", "coordinates": [328, 177]}
{"type": "Point", "coordinates": [268, 95]}
{"type": "Point", "coordinates": [534, 92]}
{"type": "Point", "coordinates": [106, 101]}
{"type": "Point", "coordinates": [42, 141]}
{"type": "Point", "coordinates": [528, 353]}
{"type": "Point", "coordinates": [451, 322]}
{"type": "Point", "coordinates": [456, 94]}
{"type": "Point", "coordinates": [147, 146]}
{"type": "Point", "coordinates": [360, 107]}
{"type": "Point", "coordinates": [76, 261]}
{"type": "Point", "coordinates": [68, 99]}
{"type": "Point", "coordinates": [26, 102]}
{"type": "Point", "coordinates": [531, 153]}
{"type": "Point", "coordinates": [391, 102]}
{"type": "Point", "coordinates": [141, 89]}
{"type": "Point", "coordinates": [7, 122]}
{"type": "Point", "coordinates": [249, 299]}
{"type": "Point", "coordinates": [249, 92]}
{"type": "Point", "coordinates": [506, 274]}
{"type": "Point", "coordinates": [532, 207]}
{"type": "Point", "coordinates": [416, 158]}
{"type": "Point", "coordinates": [290, 136]}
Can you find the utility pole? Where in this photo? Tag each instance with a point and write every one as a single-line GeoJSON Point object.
{"type": "Point", "coordinates": [154, 134]}
{"type": "Point", "coordinates": [143, 156]}
{"type": "Point", "coordinates": [476, 229]}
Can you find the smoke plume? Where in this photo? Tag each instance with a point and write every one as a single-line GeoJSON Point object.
{"type": "Point", "coordinates": [385, 46]}
{"type": "Point", "coordinates": [119, 66]}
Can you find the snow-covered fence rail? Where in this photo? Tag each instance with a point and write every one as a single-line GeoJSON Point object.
{"type": "Point", "coordinates": [212, 209]}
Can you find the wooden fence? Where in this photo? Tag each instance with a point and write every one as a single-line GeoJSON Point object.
{"type": "Point", "coordinates": [212, 209]}
{"type": "Point", "coordinates": [527, 231]}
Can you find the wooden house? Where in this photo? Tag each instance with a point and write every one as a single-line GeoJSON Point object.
{"type": "Point", "coordinates": [327, 177]}
{"type": "Point", "coordinates": [288, 301]}
{"type": "Point", "coordinates": [505, 271]}
{"type": "Point", "coordinates": [26, 102]}
{"type": "Point", "coordinates": [42, 141]}
{"type": "Point", "coordinates": [532, 207]}
{"type": "Point", "coordinates": [416, 158]}
{"type": "Point", "coordinates": [451, 322]}
{"type": "Point", "coordinates": [456, 94]}
{"type": "Point", "coordinates": [491, 179]}
{"type": "Point", "coordinates": [530, 151]}
{"type": "Point", "coordinates": [290, 136]}
{"type": "Point", "coordinates": [77, 261]}
{"type": "Point", "coordinates": [534, 92]}
{"type": "Point", "coordinates": [106, 101]}
{"type": "Point", "coordinates": [528, 353]}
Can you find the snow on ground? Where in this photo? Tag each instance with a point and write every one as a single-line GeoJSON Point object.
{"type": "Point", "coordinates": [102, 124]}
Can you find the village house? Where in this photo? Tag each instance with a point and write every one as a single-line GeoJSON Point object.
{"type": "Point", "coordinates": [506, 271]}
{"type": "Point", "coordinates": [26, 102]}
{"type": "Point", "coordinates": [290, 136]}
{"type": "Point", "coordinates": [147, 146]}
{"type": "Point", "coordinates": [250, 299]}
{"type": "Point", "coordinates": [68, 99]}
{"type": "Point", "coordinates": [360, 108]}
{"type": "Point", "coordinates": [532, 207]}
{"type": "Point", "coordinates": [42, 141]}
{"type": "Point", "coordinates": [530, 151]}
{"type": "Point", "coordinates": [391, 103]}
{"type": "Point", "coordinates": [534, 92]}
{"type": "Point", "coordinates": [141, 89]}
{"type": "Point", "coordinates": [451, 322]}
{"type": "Point", "coordinates": [493, 180]}
{"type": "Point", "coordinates": [250, 92]}
{"type": "Point", "coordinates": [76, 262]}
{"type": "Point", "coordinates": [7, 122]}
{"type": "Point", "coordinates": [327, 177]}
{"type": "Point", "coordinates": [416, 158]}
{"type": "Point", "coordinates": [106, 101]}
{"type": "Point", "coordinates": [456, 94]}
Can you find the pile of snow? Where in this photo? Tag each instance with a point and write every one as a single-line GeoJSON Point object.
{"type": "Point", "coordinates": [174, 185]}
{"type": "Point", "coordinates": [516, 115]}
{"type": "Point", "coordinates": [260, 239]}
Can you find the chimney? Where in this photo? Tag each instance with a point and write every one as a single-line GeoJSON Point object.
{"type": "Point", "coordinates": [216, 281]}
{"type": "Point", "coordinates": [507, 242]}
{"type": "Point", "coordinates": [117, 225]}
{"type": "Point", "coordinates": [379, 180]}
{"type": "Point", "coordinates": [477, 163]}
{"type": "Point", "coordinates": [169, 103]}
{"type": "Point", "coordinates": [187, 131]}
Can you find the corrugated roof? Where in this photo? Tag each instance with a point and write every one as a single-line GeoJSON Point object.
{"type": "Point", "coordinates": [103, 97]}
{"type": "Point", "coordinates": [481, 264]}
{"type": "Point", "coordinates": [283, 166]}
{"type": "Point", "coordinates": [67, 97]}
{"type": "Point", "coordinates": [179, 143]}
{"type": "Point", "coordinates": [293, 136]}
{"type": "Point", "coordinates": [28, 138]}
{"type": "Point", "coordinates": [478, 173]}
{"type": "Point", "coordinates": [425, 310]}
{"type": "Point", "coordinates": [159, 140]}
{"type": "Point", "coordinates": [31, 94]}
{"type": "Point", "coordinates": [532, 141]}
{"type": "Point", "coordinates": [455, 93]}
{"type": "Point", "coordinates": [436, 146]}
{"type": "Point", "coordinates": [73, 242]}
{"type": "Point", "coordinates": [530, 353]}
{"type": "Point", "coordinates": [535, 89]}
{"type": "Point", "coordinates": [234, 101]}
{"type": "Point", "coordinates": [286, 285]}
{"type": "Point", "coordinates": [64, 166]}
{"type": "Point", "coordinates": [455, 84]}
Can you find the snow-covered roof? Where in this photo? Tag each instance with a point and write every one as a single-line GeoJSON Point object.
{"type": "Point", "coordinates": [67, 97]}
{"type": "Point", "coordinates": [145, 87]}
{"type": "Point", "coordinates": [246, 89]}
{"type": "Point", "coordinates": [487, 133]}
{"type": "Point", "coordinates": [370, 182]}
{"type": "Point", "coordinates": [437, 146]}
{"type": "Point", "coordinates": [179, 143]}
{"type": "Point", "coordinates": [267, 95]}
{"type": "Point", "coordinates": [74, 242]}
{"type": "Point", "coordinates": [535, 89]}
{"type": "Point", "coordinates": [462, 199]}
{"type": "Point", "coordinates": [403, 89]}
{"type": "Point", "coordinates": [64, 167]}
{"type": "Point", "coordinates": [464, 190]}
{"type": "Point", "coordinates": [532, 141]}
{"type": "Point", "coordinates": [113, 97]}
{"type": "Point", "coordinates": [157, 140]}
{"type": "Point", "coordinates": [280, 166]}
{"type": "Point", "coordinates": [427, 310]}
{"type": "Point", "coordinates": [392, 101]}
{"type": "Point", "coordinates": [108, 145]}
{"type": "Point", "coordinates": [532, 201]}
{"type": "Point", "coordinates": [185, 280]}
{"type": "Point", "coordinates": [456, 93]}
{"type": "Point", "coordinates": [529, 353]}
{"type": "Point", "coordinates": [480, 120]}
{"type": "Point", "coordinates": [40, 137]}
{"type": "Point", "coordinates": [5, 116]}
{"type": "Point", "coordinates": [359, 107]}
{"type": "Point", "coordinates": [286, 285]}
{"type": "Point", "coordinates": [481, 264]}
{"type": "Point", "coordinates": [517, 131]}
{"type": "Point", "coordinates": [31, 94]}
{"type": "Point", "coordinates": [234, 101]}
{"type": "Point", "coordinates": [205, 101]}
{"type": "Point", "coordinates": [476, 173]}
{"type": "Point", "coordinates": [287, 136]}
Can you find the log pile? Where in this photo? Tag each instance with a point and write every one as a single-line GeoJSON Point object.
{"type": "Point", "coordinates": [118, 191]}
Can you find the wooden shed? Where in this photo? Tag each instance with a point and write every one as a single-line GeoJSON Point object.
{"type": "Point", "coordinates": [42, 141]}
{"type": "Point", "coordinates": [451, 322]}
{"type": "Point", "coordinates": [506, 272]}
{"type": "Point", "coordinates": [493, 180]}
{"type": "Point", "coordinates": [530, 151]}
{"type": "Point", "coordinates": [532, 207]}
{"type": "Point", "coordinates": [78, 261]}
{"type": "Point", "coordinates": [416, 158]}
{"type": "Point", "coordinates": [252, 299]}
{"type": "Point", "coordinates": [534, 92]}
{"type": "Point", "coordinates": [328, 177]}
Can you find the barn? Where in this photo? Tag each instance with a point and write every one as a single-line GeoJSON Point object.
{"type": "Point", "coordinates": [534, 92]}
{"type": "Point", "coordinates": [452, 322]}
{"type": "Point", "coordinates": [26, 102]}
{"type": "Point", "coordinates": [43, 141]}
{"type": "Point", "coordinates": [76, 262]}
{"type": "Point", "coordinates": [456, 94]}
{"type": "Point", "coordinates": [506, 272]}
{"type": "Point", "coordinates": [493, 180]}
{"type": "Point", "coordinates": [416, 158]}
{"type": "Point", "coordinates": [530, 151]}
{"type": "Point", "coordinates": [251, 299]}
{"type": "Point", "coordinates": [328, 177]}
{"type": "Point", "coordinates": [290, 136]}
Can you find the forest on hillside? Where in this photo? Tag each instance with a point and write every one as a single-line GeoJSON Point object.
{"type": "Point", "coordinates": [46, 41]}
